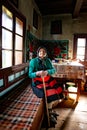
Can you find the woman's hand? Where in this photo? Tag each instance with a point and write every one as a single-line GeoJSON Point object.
{"type": "Point", "coordinates": [38, 73]}
{"type": "Point", "coordinates": [44, 73]}
{"type": "Point", "coordinates": [41, 73]}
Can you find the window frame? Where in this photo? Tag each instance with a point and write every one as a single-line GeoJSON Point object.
{"type": "Point", "coordinates": [17, 14]}
{"type": "Point", "coordinates": [76, 36]}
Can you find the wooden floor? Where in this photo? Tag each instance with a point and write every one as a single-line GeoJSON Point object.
{"type": "Point", "coordinates": [71, 116]}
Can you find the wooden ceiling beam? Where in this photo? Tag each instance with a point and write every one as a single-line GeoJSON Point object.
{"type": "Point", "coordinates": [77, 8]}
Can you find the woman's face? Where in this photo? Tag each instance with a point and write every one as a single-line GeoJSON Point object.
{"type": "Point", "coordinates": [42, 53]}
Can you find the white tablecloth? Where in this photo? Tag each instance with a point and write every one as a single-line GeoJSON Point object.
{"type": "Point", "coordinates": [69, 70]}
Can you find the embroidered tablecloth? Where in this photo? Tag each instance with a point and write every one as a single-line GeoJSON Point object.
{"type": "Point", "coordinates": [69, 70]}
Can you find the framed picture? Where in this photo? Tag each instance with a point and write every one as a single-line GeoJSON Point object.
{"type": "Point", "coordinates": [35, 19]}
{"type": "Point", "coordinates": [56, 27]}
{"type": "Point", "coordinates": [14, 2]}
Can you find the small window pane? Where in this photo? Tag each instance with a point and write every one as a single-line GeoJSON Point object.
{"type": "Point", "coordinates": [80, 57]}
{"type": "Point", "coordinates": [7, 18]}
{"type": "Point", "coordinates": [6, 39]}
{"type": "Point", "coordinates": [19, 26]}
{"type": "Point", "coordinates": [80, 51]}
{"type": "Point", "coordinates": [18, 43]}
{"type": "Point", "coordinates": [81, 42]}
{"type": "Point", "coordinates": [11, 78]}
{"type": "Point", "coordinates": [6, 58]}
{"type": "Point", "coordinates": [18, 57]}
{"type": "Point", "coordinates": [1, 82]}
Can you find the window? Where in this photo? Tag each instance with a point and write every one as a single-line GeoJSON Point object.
{"type": "Point", "coordinates": [12, 36]}
{"type": "Point", "coordinates": [7, 23]}
{"type": "Point", "coordinates": [18, 42]}
{"type": "Point", "coordinates": [80, 46]}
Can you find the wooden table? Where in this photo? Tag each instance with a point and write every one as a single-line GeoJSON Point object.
{"type": "Point", "coordinates": [73, 72]}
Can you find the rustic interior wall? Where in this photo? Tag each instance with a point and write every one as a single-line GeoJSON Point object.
{"type": "Point", "coordinates": [27, 7]}
{"type": "Point", "coordinates": [69, 27]}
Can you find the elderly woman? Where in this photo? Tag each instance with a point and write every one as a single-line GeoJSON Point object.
{"type": "Point", "coordinates": [39, 68]}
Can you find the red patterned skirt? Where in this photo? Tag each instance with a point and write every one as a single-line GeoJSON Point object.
{"type": "Point", "coordinates": [53, 89]}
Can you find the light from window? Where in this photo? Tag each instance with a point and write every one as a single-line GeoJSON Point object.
{"type": "Point", "coordinates": [6, 39]}
{"type": "Point", "coordinates": [81, 43]}
{"type": "Point", "coordinates": [6, 58]}
{"type": "Point", "coordinates": [12, 38]}
{"type": "Point", "coordinates": [18, 57]}
{"type": "Point", "coordinates": [7, 18]}
{"type": "Point", "coordinates": [19, 27]}
{"type": "Point", "coordinates": [18, 43]}
{"type": "Point", "coordinates": [7, 27]}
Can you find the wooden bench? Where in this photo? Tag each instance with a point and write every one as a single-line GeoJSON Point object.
{"type": "Point", "coordinates": [20, 109]}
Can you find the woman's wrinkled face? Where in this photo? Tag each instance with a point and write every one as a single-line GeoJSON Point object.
{"type": "Point", "coordinates": [42, 53]}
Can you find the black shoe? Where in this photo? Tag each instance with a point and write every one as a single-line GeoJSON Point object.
{"type": "Point", "coordinates": [52, 119]}
{"type": "Point", "coordinates": [54, 114]}
{"type": "Point", "coordinates": [51, 112]}
{"type": "Point", "coordinates": [52, 124]}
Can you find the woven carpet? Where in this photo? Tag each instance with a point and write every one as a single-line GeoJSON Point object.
{"type": "Point", "coordinates": [18, 109]}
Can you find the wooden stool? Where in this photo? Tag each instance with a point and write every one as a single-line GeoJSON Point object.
{"type": "Point", "coordinates": [71, 87]}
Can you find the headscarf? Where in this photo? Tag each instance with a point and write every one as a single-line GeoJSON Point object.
{"type": "Point", "coordinates": [41, 62]}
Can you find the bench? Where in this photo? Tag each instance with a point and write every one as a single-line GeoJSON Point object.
{"type": "Point", "coordinates": [20, 109]}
